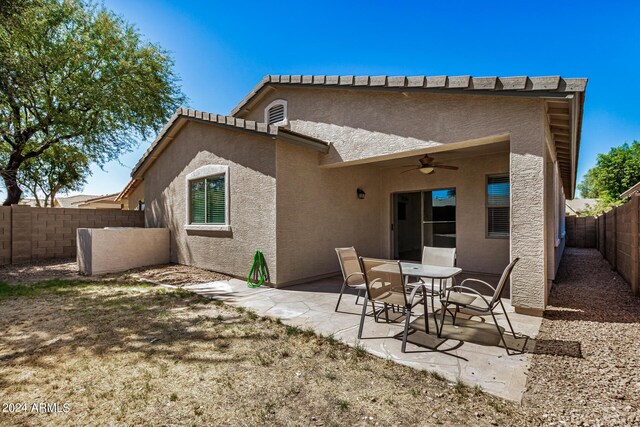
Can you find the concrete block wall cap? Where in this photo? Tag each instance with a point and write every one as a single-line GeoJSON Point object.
{"type": "Point", "coordinates": [285, 79]}
{"type": "Point", "coordinates": [296, 79]}
{"type": "Point", "coordinates": [318, 80]}
{"type": "Point", "coordinates": [307, 79]}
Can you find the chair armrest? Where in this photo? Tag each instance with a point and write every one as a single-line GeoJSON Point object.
{"type": "Point", "coordinates": [413, 294]}
{"type": "Point", "coordinates": [478, 281]}
{"type": "Point", "coordinates": [473, 291]}
{"type": "Point", "coordinates": [346, 279]}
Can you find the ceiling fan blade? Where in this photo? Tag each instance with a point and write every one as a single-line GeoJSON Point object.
{"type": "Point", "coordinates": [453, 168]}
{"type": "Point", "coordinates": [409, 170]}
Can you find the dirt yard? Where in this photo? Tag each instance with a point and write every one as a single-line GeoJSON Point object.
{"type": "Point", "coordinates": [127, 353]}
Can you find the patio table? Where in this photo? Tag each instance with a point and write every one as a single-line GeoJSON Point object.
{"type": "Point", "coordinates": [426, 271]}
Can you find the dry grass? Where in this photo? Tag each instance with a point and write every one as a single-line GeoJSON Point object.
{"type": "Point", "coordinates": [124, 353]}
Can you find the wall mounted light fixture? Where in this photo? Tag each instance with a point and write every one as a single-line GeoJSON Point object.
{"type": "Point", "coordinates": [361, 193]}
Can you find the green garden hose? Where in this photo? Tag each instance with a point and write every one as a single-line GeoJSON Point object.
{"type": "Point", "coordinates": [258, 271]}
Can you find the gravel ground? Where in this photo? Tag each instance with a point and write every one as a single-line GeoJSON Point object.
{"type": "Point", "coordinates": [592, 305]}
{"type": "Point", "coordinates": [36, 271]}
{"type": "Point", "coordinates": [176, 274]}
{"type": "Point", "coordinates": [170, 274]}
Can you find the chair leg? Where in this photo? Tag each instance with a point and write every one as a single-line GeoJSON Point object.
{"type": "Point", "coordinates": [386, 312]}
{"type": "Point", "coordinates": [507, 317]}
{"type": "Point", "coordinates": [425, 306]}
{"type": "Point", "coordinates": [363, 315]}
{"type": "Point", "coordinates": [444, 308]}
{"type": "Point", "coordinates": [455, 313]}
{"type": "Point", "coordinates": [406, 330]}
{"type": "Point", "coordinates": [341, 291]}
{"type": "Point", "coordinates": [504, 343]}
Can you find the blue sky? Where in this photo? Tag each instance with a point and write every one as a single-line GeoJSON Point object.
{"type": "Point", "coordinates": [223, 49]}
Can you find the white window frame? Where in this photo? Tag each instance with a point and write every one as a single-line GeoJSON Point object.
{"type": "Point", "coordinates": [282, 102]}
{"type": "Point", "coordinates": [207, 172]}
{"type": "Point", "coordinates": [488, 235]}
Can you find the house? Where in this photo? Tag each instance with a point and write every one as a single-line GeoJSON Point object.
{"type": "Point", "coordinates": [100, 202]}
{"type": "Point", "coordinates": [575, 206]}
{"type": "Point", "coordinates": [305, 164]}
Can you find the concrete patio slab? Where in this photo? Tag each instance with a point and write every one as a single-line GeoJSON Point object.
{"type": "Point", "coordinates": [476, 360]}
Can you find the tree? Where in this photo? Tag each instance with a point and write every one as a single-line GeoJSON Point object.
{"type": "Point", "coordinates": [614, 173]}
{"type": "Point", "coordinates": [76, 75]}
{"type": "Point", "coordinates": [59, 169]}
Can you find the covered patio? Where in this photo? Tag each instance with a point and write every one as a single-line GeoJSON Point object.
{"type": "Point", "coordinates": [469, 352]}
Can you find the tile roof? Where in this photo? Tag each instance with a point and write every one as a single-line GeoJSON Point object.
{"type": "Point", "coordinates": [446, 83]}
{"type": "Point", "coordinates": [233, 123]}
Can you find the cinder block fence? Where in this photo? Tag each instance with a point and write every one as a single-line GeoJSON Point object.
{"type": "Point", "coordinates": [616, 235]}
{"type": "Point", "coordinates": [28, 233]}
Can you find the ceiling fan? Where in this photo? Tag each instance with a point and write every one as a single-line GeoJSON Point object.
{"type": "Point", "coordinates": [428, 167]}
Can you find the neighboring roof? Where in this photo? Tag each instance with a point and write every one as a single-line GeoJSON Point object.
{"type": "Point", "coordinates": [630, 191]}
{"type": "Point", "coordinates": [228, 122]}
{"type": "Point", "coordinates": [106, 197]}
{"type": "Point", "coordinates": [533, 86]}
{"type": "Point", "coordinates": [68, 202]}
{"type": "Point", "coordinates": [576, 206]}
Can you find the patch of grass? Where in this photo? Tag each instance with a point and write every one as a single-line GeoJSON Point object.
{"type": "Point", "coordinates": [331, 375]}
{"type": "Point", "coordinates": [173, 397]}
{"type": "Point", "coordinates": [240, 309]}
{"type": "Point", "coordinates": [359, 350]}
{"type": "Point", "coordinates": [252, 315]}
{"type": "Point", "coordinates": [461, 389]}
{"type": "Point", "coordinates": [343, 404]}
{"type": "Point", "coordinates": [437, 376]}
{"type": "Point", "coordinates": [292, 330]}
{"type": "Point", "coordinates": [331, 339]}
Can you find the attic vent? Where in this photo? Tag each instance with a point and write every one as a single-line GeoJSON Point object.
{"type": "Point", "coordinates": [276, 113]}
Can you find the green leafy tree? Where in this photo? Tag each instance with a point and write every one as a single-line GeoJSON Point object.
{"type": "Point", "coordinates": [614, 173]}
{"type": "Point", "coordinates": [76, 75]}
{"type": "Point", "coordinates": [60, 169]}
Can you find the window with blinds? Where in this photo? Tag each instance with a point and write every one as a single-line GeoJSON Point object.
{"type": "Point", "coordinates": [498, 208]}
{"type": "Point", "coordinates": [207, 198]}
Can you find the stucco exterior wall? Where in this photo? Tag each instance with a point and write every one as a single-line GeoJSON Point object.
{"type": "Point", "coordinates": [252, 198]}
{"type": "Point", "coordinates": [137, 247]}
{"type": "Point", "coordinates": [136, 196]}
{"type": "Point", "coordinates": [356, 121]}
{"type": "Point", "coordinates": [318, 210]}
{"type": "Point", "coordinates": [475, 251]}
{"type": "Point", "coordinates": [529, 280]}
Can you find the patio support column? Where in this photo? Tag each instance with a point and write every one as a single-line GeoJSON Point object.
{"type": "Point", "coordinates": [528, 236]}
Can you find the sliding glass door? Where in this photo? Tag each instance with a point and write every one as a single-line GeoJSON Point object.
{"type": "Point", "coordinates": [423, 218]}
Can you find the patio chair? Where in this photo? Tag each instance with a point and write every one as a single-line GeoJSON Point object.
{"type": "Point", "coordinates": [385, 285]}
{"type": "Point", "coordinates": [351, 272]}
{"type": "Point", "coordinates": [443, 257]}
{"type": "Point", "coordinates": [475, 303]}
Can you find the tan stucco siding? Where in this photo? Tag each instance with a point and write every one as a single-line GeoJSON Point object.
{"type": "Point", "coordinates": [528, 221]}
{"type": "Point", "coordinates": [475, 251]}
{"type": "Point", "coordinates": [136, 196]}
{"type": "Point", "coordinates": [364, 124]}
{"type": "Point", "coordinates": [252, 197]}
{"type": "Point", "coordinates": [318, 210]}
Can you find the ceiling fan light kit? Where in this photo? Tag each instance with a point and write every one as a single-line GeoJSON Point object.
{"type": "Point", "coordinates": [427, 166]}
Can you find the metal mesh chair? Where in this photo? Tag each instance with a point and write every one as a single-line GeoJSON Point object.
{"type": "Point", "coordinates": [385, 285]}
{"type": "Point", "coordinates": [472, 301]}
{"type": "Point", "coordinates": [351, 272]}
